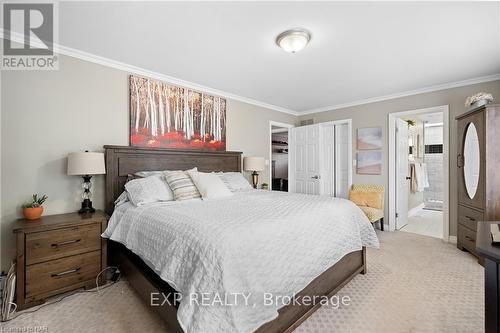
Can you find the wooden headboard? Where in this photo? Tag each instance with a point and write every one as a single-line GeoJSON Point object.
{"type": "Point", "coordinates": [124, 160]}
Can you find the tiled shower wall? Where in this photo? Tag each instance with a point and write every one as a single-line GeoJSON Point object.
{"type": "Point", "coordinates": [433, 195]}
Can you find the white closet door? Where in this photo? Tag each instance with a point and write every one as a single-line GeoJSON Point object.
{"type": "Point", "coordinates": [342, 160]}
{"type": "Point", "coordinates": [305, 159]}
{"type": "Point", "coordinates": [328, 160]}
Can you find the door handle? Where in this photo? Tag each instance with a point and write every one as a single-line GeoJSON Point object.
{"type": "Point", "coordinates": [460, 161]}
{"type": "Point", "coordinates": [316, 177]}
{"type": "Point", "coordinates": [408, 178]}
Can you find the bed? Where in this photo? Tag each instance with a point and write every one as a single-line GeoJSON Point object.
{"type": "Point", "coordinates": [255, 242]}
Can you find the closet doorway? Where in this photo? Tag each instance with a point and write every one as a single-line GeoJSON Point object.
{"type": "Point", "coordinates": [321, 158]}
{"type": "Point", "coordinates": [279, 166]}
{"type": "Point", "coordinates": [419, 172]}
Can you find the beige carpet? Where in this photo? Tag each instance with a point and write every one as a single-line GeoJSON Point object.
{"type": "Point", "coordinates": [414, 284]}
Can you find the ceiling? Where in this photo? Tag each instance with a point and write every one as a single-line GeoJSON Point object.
{"type": "Point", "coordinates": [431, 118]}
{"type": "Point", "coordinates": [358, 50]}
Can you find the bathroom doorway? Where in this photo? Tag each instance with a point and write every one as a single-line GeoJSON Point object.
{"type": "Point", "coordinates": [418, 172]}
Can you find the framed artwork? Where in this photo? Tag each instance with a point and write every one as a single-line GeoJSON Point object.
{"type": "Point", "coordinates": [369, 163]}
{"type": "Point", "coordinates": [164, 115]}
{"type": "Point", "coordinates": [369, 138]}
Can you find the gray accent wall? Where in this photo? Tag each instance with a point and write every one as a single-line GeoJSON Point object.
{"type": "Point", "coordinates": [376, 114]}
{"type": "Point", "coordinates": [47, 114]}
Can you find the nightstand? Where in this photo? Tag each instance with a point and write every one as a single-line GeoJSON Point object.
{"type": "Point", "coordinates": [58, 253]}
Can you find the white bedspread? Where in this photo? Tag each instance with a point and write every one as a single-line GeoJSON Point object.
{"type": "Point", "coordinates": [253, 242]}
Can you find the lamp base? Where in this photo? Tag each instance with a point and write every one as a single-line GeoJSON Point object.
{"type": "Point", "coordinates": [255, 179]}
{"type": "Point", "coordinates": [86, 207]}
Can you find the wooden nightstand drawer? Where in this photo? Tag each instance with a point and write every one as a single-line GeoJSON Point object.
{"type": "Point", "coordinates": [55, 244]}
{"type": "Point", "coordinates": [56, 275]}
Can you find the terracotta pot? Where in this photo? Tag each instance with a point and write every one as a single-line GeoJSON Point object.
{"type": "Point", "coordinates": [33, 213]}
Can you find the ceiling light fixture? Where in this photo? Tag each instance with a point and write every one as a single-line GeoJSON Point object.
{"type": "Point", "coordinates": [293, 40]}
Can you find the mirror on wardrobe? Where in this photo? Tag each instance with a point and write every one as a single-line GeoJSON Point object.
{"type": "Point", "coordinates": [471, 160]}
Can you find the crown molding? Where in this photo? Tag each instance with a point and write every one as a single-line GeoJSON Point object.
{"type": "Point", "coordinates": [86, 56]}
{"type": "Point", "coordinates": [444, 86]}
{"type": "Point", "coordinates": [67, 51]}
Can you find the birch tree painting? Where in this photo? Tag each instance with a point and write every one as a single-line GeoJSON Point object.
{"type": "Point", "coordinates": [163, 115]}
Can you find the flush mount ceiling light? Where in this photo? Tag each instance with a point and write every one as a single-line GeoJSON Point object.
{"type": "Point", "coordinates": [293, 40]}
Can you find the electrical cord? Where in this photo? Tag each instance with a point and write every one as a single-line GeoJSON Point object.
{"type": "Point", "coordinates": [79, 291]}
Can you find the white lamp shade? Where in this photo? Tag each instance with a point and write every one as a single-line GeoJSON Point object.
{"type": "Point", "coordinates": [253, 163]}
{"type": "Point", "coordinates": [86, 163]}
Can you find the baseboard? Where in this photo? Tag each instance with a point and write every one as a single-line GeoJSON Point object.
{"type": "Point", "coordinates": [452, 239]}
{"type": "Point", "coordinates": [416, 209]}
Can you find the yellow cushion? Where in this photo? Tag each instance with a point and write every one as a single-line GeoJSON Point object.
{"type": "Point", "coordinates": [373, 214]}
{"type": "Point", "coordinates": [370, 199]}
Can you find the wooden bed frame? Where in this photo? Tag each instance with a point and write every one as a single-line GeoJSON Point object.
{"type": "Point", "coordinates": [121, 161]}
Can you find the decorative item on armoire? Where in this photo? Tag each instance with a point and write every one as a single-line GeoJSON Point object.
{"type": "Point", "coordinates": [164, 115]}
{"type": "Point", "coordinates": [86, 165]}
{"type": "Point", "coordinates": [478, 182]}
{"type": "Point", "coordinates": [254, 164]}
{"type": "Point", "coordinates": [478, 100]}
{"type": "Point", "coordinates": [33, 209]}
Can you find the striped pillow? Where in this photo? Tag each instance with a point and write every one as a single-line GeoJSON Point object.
{"type": "Point", "coordinates": [182, 185]}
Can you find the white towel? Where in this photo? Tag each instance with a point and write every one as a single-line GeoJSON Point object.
{"type": "Point", "coordinates": [421, 177]}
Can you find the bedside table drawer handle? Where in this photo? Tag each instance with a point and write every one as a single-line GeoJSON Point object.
{"type": "Point", "coordinates": [66, 272]}
{"type": "Point", "coordinates": [66, 243]}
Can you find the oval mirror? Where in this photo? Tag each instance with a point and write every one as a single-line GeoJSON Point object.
{"type": "Point", "coordinates": [471, 160]}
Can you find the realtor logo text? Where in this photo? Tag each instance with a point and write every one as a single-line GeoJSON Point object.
{"type": "Point", "coordinates": [29, 36]}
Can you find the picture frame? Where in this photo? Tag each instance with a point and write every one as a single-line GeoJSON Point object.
{"type": "Point", "coordinates": [369, 138]}
{"type": "Point", "coordinates": [369, 162]}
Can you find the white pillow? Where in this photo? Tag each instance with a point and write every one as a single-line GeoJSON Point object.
{"type": "Point", "coordinates": [151, 189]}
{"type": "Point", "coordinates": [123, 198]}
{"type": "Point", "coordinates": [159, 174]}
{"type": "Point", "coordinates": [234, 181]}
{"type": "Point", "coordinates": [144, 174]}
{"type": "Point", "coordinates": [209, 185]}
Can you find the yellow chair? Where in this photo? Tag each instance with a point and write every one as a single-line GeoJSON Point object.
{"type": "Point", "coordinates": [370, 198]}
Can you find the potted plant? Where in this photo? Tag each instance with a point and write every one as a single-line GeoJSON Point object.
{"type": "Point", "coordinates": [265, 186]}
{"type": "Point", "coordinates": [33, 209]}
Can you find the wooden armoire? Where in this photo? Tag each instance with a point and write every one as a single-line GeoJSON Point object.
{"type": "Point", "coordinates": [478, 171]}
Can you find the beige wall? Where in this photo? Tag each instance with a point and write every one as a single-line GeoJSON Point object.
{"type": "Point", "coordinates": [376, 114]}
{"type": "Point", "coordinates": [47, 114]}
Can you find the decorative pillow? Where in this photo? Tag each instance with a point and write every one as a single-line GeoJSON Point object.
{"type": "Point", "coordinates": [182, 185]}
{"type": "Point", "coordinates": [234, 181]}
{"type": "Point", "coordinates": [209, 185]}
{"type": "Point", "coordinates": [142, 191]}
{"type": "Point", "coordinates": [369, 199]}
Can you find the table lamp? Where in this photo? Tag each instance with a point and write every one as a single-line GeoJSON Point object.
{"type": "Point", "coordinates": [86, 164]}
{"type": "Point", "coordinates": [254, 164]}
